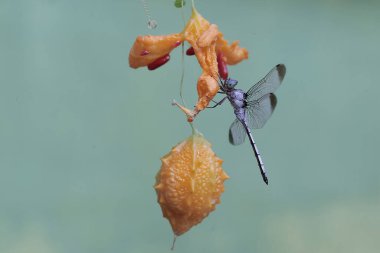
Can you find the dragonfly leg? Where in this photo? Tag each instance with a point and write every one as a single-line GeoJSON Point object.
{"type": "Point", "coordinates": [217, 103]}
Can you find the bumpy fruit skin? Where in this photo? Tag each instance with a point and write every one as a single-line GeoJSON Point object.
{"type": "Point", "coordinates": [189, 183]}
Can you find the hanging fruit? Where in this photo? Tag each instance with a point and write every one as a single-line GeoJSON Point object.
{"type": "Point", "coordinates": [190, 183]}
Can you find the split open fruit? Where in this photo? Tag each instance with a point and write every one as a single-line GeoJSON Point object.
{"type": "Point", "coordinates": [207, 43]}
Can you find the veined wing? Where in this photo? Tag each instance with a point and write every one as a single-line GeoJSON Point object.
{"type": "Point", "coordinates": [259, 111]}
{"type": "Point", "coordinates": [268, 84]}
{"type": "Point", "coordinates": [237, 133]}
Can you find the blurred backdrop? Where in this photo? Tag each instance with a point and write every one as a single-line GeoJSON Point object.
{"type": "Point", "coordinates": [81, 133]}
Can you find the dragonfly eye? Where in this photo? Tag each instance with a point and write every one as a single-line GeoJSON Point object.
{"type": "Point", "coordinates": [231, 83]}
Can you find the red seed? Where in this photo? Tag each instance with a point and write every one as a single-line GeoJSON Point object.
{"type": "Point", "coordinates": [159, 62]}
{"type": "Point", "coordinates": [190, 51]}
{"type": "Point", "coordinates": [222, 66]}
{"type": "Point", "coordinates": [144, 52]}
{"type": "Point", "coordinates": [177, 43]}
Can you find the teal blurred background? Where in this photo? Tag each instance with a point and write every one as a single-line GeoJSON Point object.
{"type": "Point", "coordinates": [81, 133]}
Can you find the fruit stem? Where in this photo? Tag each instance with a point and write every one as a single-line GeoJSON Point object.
{"type": "Point", "coordinates": [174, 238]}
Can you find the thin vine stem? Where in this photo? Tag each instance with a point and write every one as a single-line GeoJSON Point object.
{"type": "Point", "coordinates": [183, 66]}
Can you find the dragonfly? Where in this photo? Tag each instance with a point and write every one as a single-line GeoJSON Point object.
{"type": "Point", "coordinates": [252, 108]}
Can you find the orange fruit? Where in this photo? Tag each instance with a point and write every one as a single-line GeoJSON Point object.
{"type": "Point", "coordinates": [189, 183]}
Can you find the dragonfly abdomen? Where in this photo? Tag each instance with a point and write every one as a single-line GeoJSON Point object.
{"type": "Point", "coordinates": [257, 153]}
{"type": "Point", "coordinates": [240, 114]}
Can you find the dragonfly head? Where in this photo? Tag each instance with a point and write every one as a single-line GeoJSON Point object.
{"type": "Point", "coordinates": [230, 83]}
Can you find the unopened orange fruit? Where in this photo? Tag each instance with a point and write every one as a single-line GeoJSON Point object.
{"type": "Point", "coordinates": [189, 183]}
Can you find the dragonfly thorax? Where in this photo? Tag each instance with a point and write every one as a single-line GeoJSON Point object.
{"type": "Point", "coordinates": [236, 98]}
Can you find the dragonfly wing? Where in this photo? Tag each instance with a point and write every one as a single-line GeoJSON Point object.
{"type": "Point", "coordinates": [237, 133]}
{"type": "Point", "coordinates": [259, 111]}
{"type": "Point", "coordinates": [268, 84]}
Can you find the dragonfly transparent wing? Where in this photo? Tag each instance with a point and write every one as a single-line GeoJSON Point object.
{"type": "Point", "coordinates": [268, 84]}
{"type": "Point", "coordinates": [237, 133]}
{"type": "Point", "coordinates": [259, 111]}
